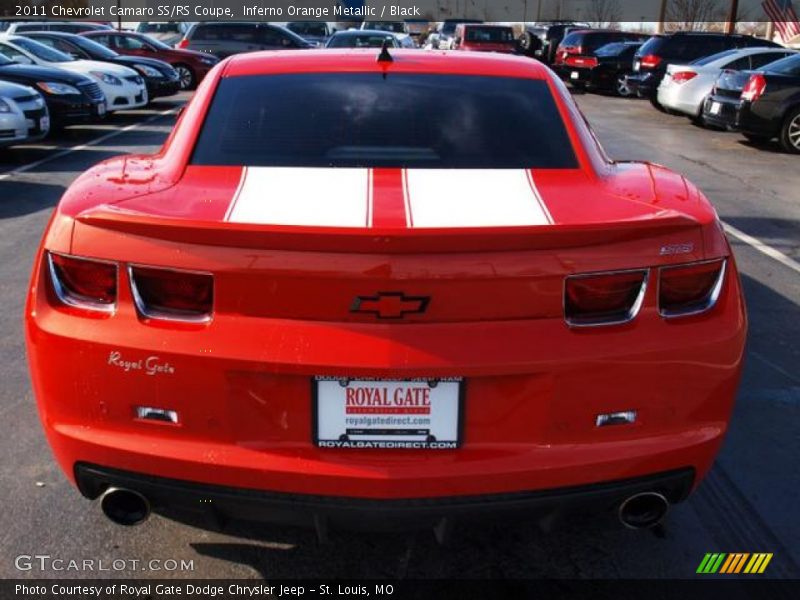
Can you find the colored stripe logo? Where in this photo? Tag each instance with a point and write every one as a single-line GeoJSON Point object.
{"type": "Point", "coordinates": [734, 563]}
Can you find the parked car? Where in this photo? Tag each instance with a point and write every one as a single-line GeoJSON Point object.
{"type": "Point", "coordinates": [685, 87]}
{"type": "Point", "coordinates": [168, 32]}
{"type": "Point", "coordinates": [719, 108]}
{"type": "Point", "coordinates": [549, 35]}
{"type": "Point", "coordinates": [579, 46]}
{"type": "Point", "coordinates": [605, 70]}
{"type": "Point", "coordinates": [373, 282]}
{"type": "Point", "coordinates": [122, 87]}
{"type": "Point", "coordinates": [70, 97]}
{"type": "Point", "coordinates": [22, 27]}
{"type": "Point", "coordinates": [223, 39]}
{"type": "Point", "coordinates": [770, 104]}
{"type": "Point", "coordinates": [191, 66]}
{"type": "Point", "coordinates": [159, 77]}
{"type": "Point", "coordinates": [484, 37]}
{"type": "Point", "coordinates": [23, 114]}
{"type": "Point", "coordinates": [314, 32]}
{"type": "Point", "coordinates": [444, 34]}
{"type": "Point", "coordinates": [364, 38]}
{"type": "Point", "coordinates": [652, 59]}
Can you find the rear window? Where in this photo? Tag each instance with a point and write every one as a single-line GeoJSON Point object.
{"type": "Point", "coordinates": [785, 66]}
{"type": "Point", "coordinates": [489, 34]}
{"type": "Point", "coordinates": [652, 46]}
{"type": "Point", "coordinates": [364, 120]}
{"type": "Point", "coordinates": [225, 33]}
{"type": "Point", "coordinates": [701, 62]}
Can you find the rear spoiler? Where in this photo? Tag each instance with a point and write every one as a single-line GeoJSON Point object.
{"type": "Point", "coordinates": [390, 241]}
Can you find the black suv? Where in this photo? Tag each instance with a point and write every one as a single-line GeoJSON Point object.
{"type": "Point", "coordinates": [542, 39]}
{"type": "Point", "coordinates": [651, 60]}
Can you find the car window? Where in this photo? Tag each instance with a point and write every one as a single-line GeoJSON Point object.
{"type": "Point", "coordinates": [11, 53]}
{"type": "Point", "coordinates": [786, 66]}
{"type": "Point", "coordinates": [105, 40]}
{"type": "Point", "coordinates": [91, 46]}
{"type": "Point", "coordinates": [489, 34]}
{"type": "Point", "coordinates": [309, 28]}
{"type": "Point", "coordinates": [240, 33]}
{"type": "Point", "coordinates": [740, 64]}
{"type": "Point", "coordinates": [271, 36]}
{"type": "Point", "coordinates": [32, 27]}
{"type": "Point", "coordinates": [760, 60]}
{"type": "Point", "coordinates": [361, 40]}
{"type": "Point", "coordinates": [368, 120]}
{"type": "Point", "coordinates": [705, 60]}
{"type": "Point", "coordinates": [41, 51]}
{"type": "Point", "coordinates": [129, 42]}
{"type": "Point", "coordinates": [61, 46]}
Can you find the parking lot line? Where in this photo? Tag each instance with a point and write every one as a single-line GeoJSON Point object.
{"type": "Point", "coordinates": [89, 144]}
{"type": "Point", "coordinates": [765, 249]}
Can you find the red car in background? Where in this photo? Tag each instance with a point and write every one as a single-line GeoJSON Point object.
{"type": "Point", "coordinates": [481, 37]}
{"type": "Point", "coordinates": [371, 308]}
{"type": "Point", "coordinates": [191, 66]}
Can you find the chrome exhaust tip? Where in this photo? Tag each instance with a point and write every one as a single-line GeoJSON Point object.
{"type": "Point", "coordinates": [643, 510]}
{"type": "Point", "coordinates": [124, 507]}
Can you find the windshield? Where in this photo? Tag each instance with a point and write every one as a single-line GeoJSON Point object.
{"type": "Point", "coordinates": [361, 40]}
{"type": "Point", "coordinates": [613, 49]}
{"type": "Point", "coordinates": [366, 120]}
{"type": "Point", "coordinates": [489, 34]}
{"type": "Point", "coordinates": [158, 28]}
{"type": "Point", "coordinates": [41, 51]}
{"type": "Point", "coordinates": [154, 42]}
{"type": "Point", "coordinates": [393, 26]}
{"type": "Point", "coordinates": [94, 48]}
{"type": "Point", "coordinates": [4, 60]}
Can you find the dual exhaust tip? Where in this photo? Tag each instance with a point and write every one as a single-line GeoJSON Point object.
{"type": "Point", "coordinates": [128, 508]}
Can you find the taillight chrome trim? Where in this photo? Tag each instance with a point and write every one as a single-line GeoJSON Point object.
{"type": "Point", "coordinates": [67, 300]}
{"type": "Point", "coordinates": [146, 313]}
{"type": "Point", "coordinates": [636, 307]}
{"type": "Point", "coordinates": [713, 297]}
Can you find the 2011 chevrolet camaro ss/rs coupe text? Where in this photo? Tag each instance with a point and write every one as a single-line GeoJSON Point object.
{"type": "Point", "coordinates": [368, 293]}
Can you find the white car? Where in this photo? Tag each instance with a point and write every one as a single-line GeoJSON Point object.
{"type": "Point", "coordinates": [685, 87]}
{"type": "Point", "coordinates": [123, 88]}
{"type": "Point", "coordinates": [23, 114]}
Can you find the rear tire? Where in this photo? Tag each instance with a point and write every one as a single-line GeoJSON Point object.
{"type": "Point", "coordinates": [789, 137]}
{"type": "Point", "coordinates": [621, 87]}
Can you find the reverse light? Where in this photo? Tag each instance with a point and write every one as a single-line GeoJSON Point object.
{"type": "Point", "coordinates": [650, 61]}
{"type": "Point", "coordinates": [84, 283]}
{"type": "Point", "coordinates": [683, 76]}
{"type": "Point", "coordinates": [690, 289]}
{"type": "Point", "coordinates": [172, 295]}
{"type": "Point", "coordinates": [754, 88]}
{"type": "Point", "coordinates": [604, 298]}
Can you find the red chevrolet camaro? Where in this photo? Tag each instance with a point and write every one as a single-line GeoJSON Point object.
{"type": "Point", "coordinates": [366, 292]}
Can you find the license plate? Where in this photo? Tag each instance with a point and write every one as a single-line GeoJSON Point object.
{"type": "Point", "coordinates": [101, 109]}
{"type": "Point", "coordinates": [421, 414]}
{"type": "Point", "coordinates": [574, 75]}
{"type": "Point", "coordinates": [715, 108]}
{"type": "Point", "coordinates": [44, 123]}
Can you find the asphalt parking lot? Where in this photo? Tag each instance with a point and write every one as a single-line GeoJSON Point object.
{"type": "Point", "coordinates": [747, 504]}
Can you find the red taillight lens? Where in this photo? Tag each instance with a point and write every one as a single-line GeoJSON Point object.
{"type": "Point", "coordinates": [650, 61]}
{"type": "Point", "coordinates": [683, 76]}
{"type": "Point", "coordinates": [174, 295]}
{"type": "Point", "coordinates": [83, 282]}
{"type": "Point", "coordinates": [754, 87]}
{"type": "Point", "coordinates": [689, 289]}
{"type": "Point", "coordinates": [184, 43]}
{"type": "Point", "coordinates": [603, 299]}
{"type": "Point", "coordinates": [581, 61]}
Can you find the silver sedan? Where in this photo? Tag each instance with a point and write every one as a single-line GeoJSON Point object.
{"type": "Point", "coordinates": [23, 114]}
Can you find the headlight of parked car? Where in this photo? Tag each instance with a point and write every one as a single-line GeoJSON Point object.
{"type": "Point", "coordinates": [57, 89]}
{"type": "Point", "coordinates": [5, 107]}
{"type": "Point", "coordinates": [148, 71]}
{"type": "Point", "coordinates": [207, 60]}
{"type": "Point", "coordinates": [107, 78]}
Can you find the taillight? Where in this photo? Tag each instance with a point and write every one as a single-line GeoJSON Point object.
{"type": "Point", "coordinates": [754, 88]}
{"type": "Point", "coordinates": [83, 283]}
{"type": "Point", "coordinates": [183, 44]}
{"type": "Point", "coordinates": [689, 289]}
{"type": "Point", "coordinates": [172, 295]}
{"type": "Point", "coordinates": [581, 61]}
{"type": "Point", "coordinates": [683, 76]}
{"type": "Point", "coordinates": [650, 61]}
{"type": "Point", "coordinates": [604, 298]}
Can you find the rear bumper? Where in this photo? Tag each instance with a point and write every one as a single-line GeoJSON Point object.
{"type": "Point", "coordinates": [217, 505]}
{"type": "Point", "coordinates": [750, 119]}
{"type": "Point", "coordinates": [644, 84]}
{"type": "Point", "coordinates": [725, 115]}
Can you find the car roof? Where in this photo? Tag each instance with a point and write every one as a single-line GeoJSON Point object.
{"type": "Point", "coordinates": [405, 61]}
{"type": "Point", "coordinates": [61, 34]}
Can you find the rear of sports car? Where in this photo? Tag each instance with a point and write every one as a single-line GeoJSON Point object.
{"type": "Point", "coordinates": [334, 300]}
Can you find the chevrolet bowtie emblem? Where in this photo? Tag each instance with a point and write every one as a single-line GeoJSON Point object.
{"type": "Point", "coordinates": [390, 305]}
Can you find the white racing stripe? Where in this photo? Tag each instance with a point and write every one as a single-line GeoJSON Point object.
{"type": "Point", "coordinates": [302, 196]}
{"type": "Point", "coordinates": [473, 198]}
